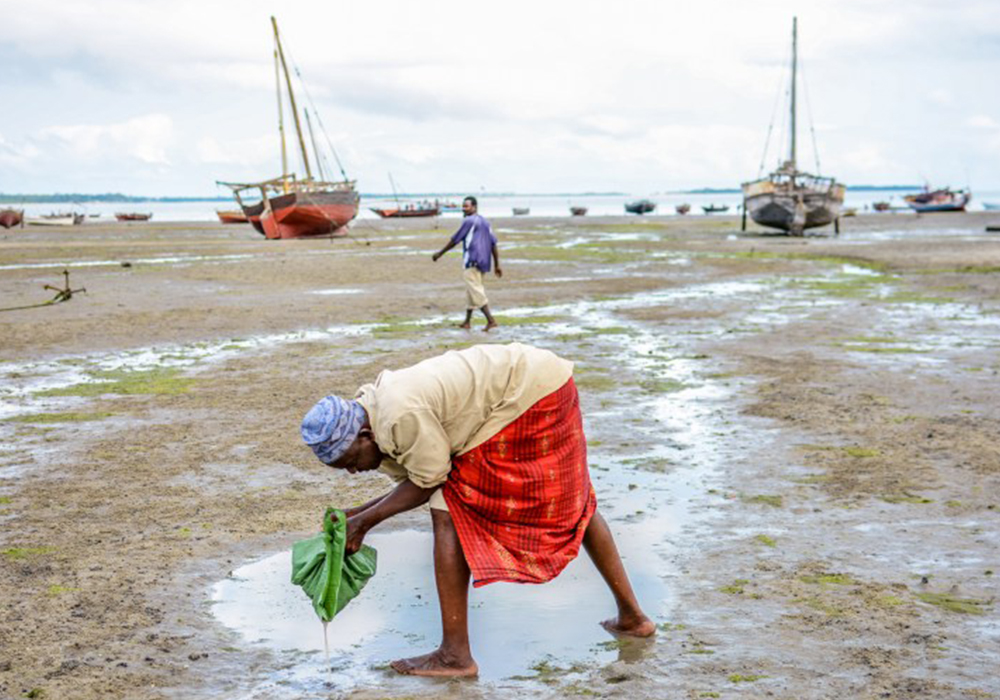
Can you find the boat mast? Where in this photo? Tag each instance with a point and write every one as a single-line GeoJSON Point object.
{"type": "Point", "coordinates": [291, 100]}
{"type": "Point", "coordinates": [281, 127]}
{"type": "Point", "coordinates": [312, 137]}
{"type": "Point", "coordinates": [395, 195]}
{"type": "Point", "coordinates": [795, 40]}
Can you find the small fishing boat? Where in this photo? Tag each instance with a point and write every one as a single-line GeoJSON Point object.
{"type": "Point", "coordinates": [52, 220]}
{"type": "Point", "coordinates": [682, 209]}
{"type": "Point", "coordinates": [448, 206]}
{"type": "Point", "coordinates": [789, 199]}
{"type": "Point", "coordinates": [881, 206]}
{"type": "Point", "coordinates": [231, 216]}
{"type": "Point", "coordinates": [11, 217]}
{"type": "Point", "coordinates": [578, 211]}
{"type": "Point", "coordinates": [640, 206]}
{"type": "Point", "coordinates": [133, 216]}
{"type": "Point", "coordinates": [941, 200]}
{"type": "Point", "coordinates": [521, 211]}
{"type": "Point", "coordinates": [289, 207]}
{"type": "Point", "coordinates": [713, 209]}
{"type": "Point", "coordinates": [406, 212]}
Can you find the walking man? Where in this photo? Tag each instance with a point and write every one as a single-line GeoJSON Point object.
{"type": "Point", "coordinates": [479, 247]}
{"type": "Point", "coordinates": [492, 438]}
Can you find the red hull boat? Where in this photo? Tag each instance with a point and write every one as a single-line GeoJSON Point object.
{"type": "Point", "coordinates": [406, 213]}
{"type": "Point", "coordinates": [289, 207]}
{"type": "Point", "coordinates": [231, 216]}
{"type": "Point", "coordinates": [11, 217]}
{"type": "Point", "coordinates": [133, 216]}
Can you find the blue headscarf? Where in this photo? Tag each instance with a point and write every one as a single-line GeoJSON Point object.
{"type": "Point", "coordinates": [331, 426]}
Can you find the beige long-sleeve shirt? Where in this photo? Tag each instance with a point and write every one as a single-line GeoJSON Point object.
{"type": "Point", "coordinates": [424, 415]}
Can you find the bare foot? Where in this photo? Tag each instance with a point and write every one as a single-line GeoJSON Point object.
{"type": "Point", "coordinates": [438, 664]}
{"type": "Point", "coordinates": [489, 326]}
{"type": "Point", "coordinates": [631, 627]}
{"type": "Point", "coordinates": [463, 326]}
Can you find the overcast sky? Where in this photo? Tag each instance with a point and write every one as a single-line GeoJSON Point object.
{"type": "Point", "coordinates": [163, 98]}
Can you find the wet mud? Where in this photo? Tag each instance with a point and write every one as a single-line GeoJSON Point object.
{"type": "Point", "coordinates": [794, 441]}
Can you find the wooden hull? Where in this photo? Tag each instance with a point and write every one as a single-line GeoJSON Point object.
{"type": "Point", "coordinates": [304, 214]}
{"type": "Point", "coordinates": [11, 217]}
{"type": "Point", "coordinates": [521, 211]}
{"type": "Point", "coordinates": [715, 210]}
{"type": "Point", "coordinates": [792, 209]}
{"type": "Point", "coordinates": [406, 213]}
{"type": "Point", "coordinates": [69, 220]}
{"type": "Point", "coordinates": [578, 211]}
{"type": "Point", "coordinates": [133, 217]}
{"type": "Point", "coordinates": [231, 217]}
{"type": "Point", "coordinates": [682, 209]}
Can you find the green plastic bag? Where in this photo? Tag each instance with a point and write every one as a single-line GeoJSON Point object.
{"type": "Point", "coordinates": [319, 566]}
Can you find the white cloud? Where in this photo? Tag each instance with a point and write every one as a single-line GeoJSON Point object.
{"type": "Point", "coordinates": [981, 121]}
{"type": "Point", "coordinates": [145, 138]}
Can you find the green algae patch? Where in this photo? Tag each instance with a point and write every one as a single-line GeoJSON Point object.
{"type": "Point", "coordinates": [160, 381]}
{"type": "Point", "coordinates": [609, 330]}
{"type": "Point", "coordinates": [662, 386]}
{"type": "Point", "coordinates": [22, 553]}
{"type": "Point", "coordinates": [860, 452]}
{"type": "Point", "coordinates": [586, 253]}
{"type": "Point", "coordinates": [736, 587]}
{"type": "Point", "coordinates": [57, 590]}
{"type": "Point", "coordinates": [828, 579]}
{"type": "Point", "coordinates": [5, 500]}
{"type": "Point", "coordinates": [764, 499]}
{"type": "Point", "coordinates": [527, 320]}
{"type": "Point", "coordinates": [595, 381]}
{"type": "Point", "coordinates": [883, 350]}
{"type": "Point", "coordinates": [905, 498]}
{"type": "Point", "coordinates": [916, 298]}
{"type": "Point", "coordinates": [739, 678]}
{"type": "Point", "coordinates": [670, 627]}
{"type": "Point", "coordinates": [966, 606]}
{"type": "Point", "coordinates": [766, 541]}
{"type": "Point", "coordinates": [59, 418]}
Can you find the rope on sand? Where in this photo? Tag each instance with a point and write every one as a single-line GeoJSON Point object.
{"type": "Point", "coordinates": [64, 294]}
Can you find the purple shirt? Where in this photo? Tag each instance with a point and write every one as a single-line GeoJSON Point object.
{"type": "Point", "coordinates": [477, 242]}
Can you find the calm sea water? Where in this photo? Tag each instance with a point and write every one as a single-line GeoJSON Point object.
{"type": "Point", "coordinates": [495, 206]}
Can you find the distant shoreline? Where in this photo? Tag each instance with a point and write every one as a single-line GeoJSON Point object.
{"type": "Point", "coordinates": [127, 199]}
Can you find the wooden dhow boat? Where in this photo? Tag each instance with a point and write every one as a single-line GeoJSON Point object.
{"type": "Point", "coordinates": [941, 200]}
{"type": "Point", "coordinates": [715, 208]}
{"type": "Point", "coordinates": [520, 211]}
{"type": "Point", "coordinates": [133, 216]}
{"type": "Point", "coordinates": [682, 209]}
{"type": "Point", "coordinates": [789, 199]}
{"type": "Point", "coordinates": [289, 207]}
{"type": "Point", "coordinates": [406, 212]}
{"type": "Point", "coordinates": [10, 218]}
{"type": "Point", "coordinates": [578, 211]}
{"type": "Point", "coordinates": [231, 216]}
{"type": "Point", "coordinates": [640, 206]}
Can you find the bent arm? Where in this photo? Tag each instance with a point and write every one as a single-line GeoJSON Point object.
{"type": "Point", "coordinates": [357, 510]}
{"type": "Point", "coordinates": [404, 497]}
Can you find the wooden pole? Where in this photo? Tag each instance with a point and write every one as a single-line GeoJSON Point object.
{"type": "Point", "coordinates": [281, 126]}
{"type": "Point", "coordinates": [291, 100]}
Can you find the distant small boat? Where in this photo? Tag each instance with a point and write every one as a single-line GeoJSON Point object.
{"type": "Point", "coordinates": [521, 211]}
{"type": "Point", "coordinates": [232, 216]}
{"type": "Point", "coordinates": [989, 206]}
{"type": "Point", "coordinates": [406, 213]}
{"type": "Point", "coordinates": [578, 211]}
{"type": "Point", "coordinates": [11, 217]}
{"type": "Point", "coordinates": [133, 216]}
{"type": "Point", "coordinates": [713, 209]}
{"type": "Point", "coordinates": [849, 211]}
{"type": "Point", "coordinates": [53, 220]}
{"type": "Point", "coordinates": [683, 209]}
{"type": "Point", "coordinates": [449, 206]}
{"type": "Point", "coordinates": [640, 206]}
{"type": "Point", "coordinates": [881, 206]}
{"type": "Point", "coordinates": [941, 200]}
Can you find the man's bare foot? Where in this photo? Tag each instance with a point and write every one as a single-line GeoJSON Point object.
{"type": "Point", "coordinates": [437, 663]}
{"type": "Point", "coordinates": [492, 324]}
{"type": "Point", "coordinates": [463, 326]}
{"type": "Point", "coordinates": [637, 627]}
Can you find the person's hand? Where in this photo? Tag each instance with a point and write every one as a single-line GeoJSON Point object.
{"type": "Point", "coordinates": [356, 531]}
{"type": "Point", "coordinates": [499, 272]}
{"type": "Point", "coordinates": [435, 257]}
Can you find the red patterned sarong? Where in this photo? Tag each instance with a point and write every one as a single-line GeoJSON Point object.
{"type": "Point", "coordinates": [522, 500]}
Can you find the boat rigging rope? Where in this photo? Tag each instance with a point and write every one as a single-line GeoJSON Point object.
{"type": "Point", "coordinates": [770, 126]}
{"type": "Point", "coordinates": [812, 127]}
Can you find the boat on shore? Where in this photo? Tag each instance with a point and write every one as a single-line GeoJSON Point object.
{"type": "Point", "coordinates": [290, 207]}
{"type": "Point", "coordinates": [9, 218]}
{"type": "Point", "coordinates": [52, 220]}
{"type": "Point", "coordinates": [578, 211]}
{"type": "Point", "coordinates": [789, 199]}
{"type": "Point", "coordinates": [682, 209]}
{"type": "Point", "coordinates": [406, 212]}
{"type": "Point", "coordinates": [520, 211]}
{"type": "Point", "coordinates": [640, 206]}
{"type": "Point", "coordinates": [133, 216]}
{"type": "Point", "coordinates": [881, 206]}
{"type": "Point", "coordinates": [942, 200]}
{"type": "Point", "coordinates": [715, 209]}
{"type": "Point", "coordinates": [231, 216]}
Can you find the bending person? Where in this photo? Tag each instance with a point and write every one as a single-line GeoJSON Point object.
{"type": "Point", "coordinates": [492, 438]}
